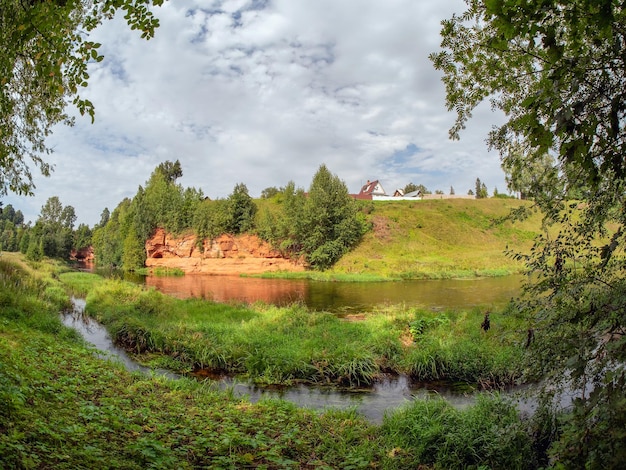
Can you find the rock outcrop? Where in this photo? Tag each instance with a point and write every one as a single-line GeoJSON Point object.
{"type": "Point", "coordinates": [226, 254]}
{"type": "Point", "coordinates": [83, 254]}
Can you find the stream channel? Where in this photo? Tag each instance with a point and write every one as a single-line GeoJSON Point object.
{"type": "Point", "coordinates": [371, 402]}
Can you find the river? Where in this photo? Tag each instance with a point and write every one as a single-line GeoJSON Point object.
{"type": "Point", "coordinates": [337, 297]}
{"type": "Point", "coordinates": [343, 296]}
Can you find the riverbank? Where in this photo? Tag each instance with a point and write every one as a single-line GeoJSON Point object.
{"type": "Point", "coordinates": [440, 239]}
{"type": "Point", "coordinates": [433, 239]}
{"type": "Point", "coordinates": [274, 345]}
{"type": "Point", "coordinates": [64, 407]}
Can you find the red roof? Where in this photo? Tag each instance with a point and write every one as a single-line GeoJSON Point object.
{"type": "Point", "coordinates": [368, 188]}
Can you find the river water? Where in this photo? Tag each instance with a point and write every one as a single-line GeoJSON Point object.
{"type": "Point", "coordinates": [337, 297]}
{"type": "Point", "coordinates": [343, 296]}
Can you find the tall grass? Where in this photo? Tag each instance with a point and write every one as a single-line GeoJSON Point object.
{"type": "Point", "coordinates": [34, 300]}
{"type": "Point", "coordinates": [273, 345]}
{"type": "Point", "coordinates": [486, 435]}
{"type": "Point", "coordinates": [458, 349]}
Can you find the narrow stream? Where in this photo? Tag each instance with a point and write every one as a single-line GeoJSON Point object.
{"type": "Point", "coordinates": [371, 402]}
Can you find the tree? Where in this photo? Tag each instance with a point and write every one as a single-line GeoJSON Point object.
{"type": "Point", "coordinates": [68, 217]}
{"type": "Point", "coordinates": [533, 179]}
{"type": "Point", "coordinates": [269, 192]}
{"type": "Point", "coordinates": [108, 240]}
{"type": "Point", "coordinates": [82, 236]}
{"type": "Point", "coordinates": [242, 210]}
{"type": "Point", "coordinates": [409, 188]}
{"type": "Point", "coordinates": [53, 229]}
{"type": "Point", "coordinates": [557, 70]}
{"type": "Point", "coordinates": [104, 218]}
{"type": "Point", "coordinates": [119, 239]}
{"type": "Point", "coordinates": [43, 65]}
{"type": "Point", "coordinates": [331, 223]}
{"type": "Point", "coordinates": [171, 171]}
{"type": "Point", "coordinates": [481, 189]}
{"type": "Point", "coordinates": [51, 211]}
{"type": "Point", "coordinates": [211, 219]}
{"type": "Point", "coordinates": [451, 191]}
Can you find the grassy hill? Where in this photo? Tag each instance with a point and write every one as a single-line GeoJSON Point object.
{"type": "Point", "coordinates": [440, 238]}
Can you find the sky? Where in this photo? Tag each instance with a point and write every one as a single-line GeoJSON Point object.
{"type": "Point", "coordinates": [263, 92]}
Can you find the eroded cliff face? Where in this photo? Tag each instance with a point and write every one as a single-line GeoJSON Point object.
{"type": "Point", "coordinates": [83, 254]}
{"type": "Point", "coordinates": [227, 254]}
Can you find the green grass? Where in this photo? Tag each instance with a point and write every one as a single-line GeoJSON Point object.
{"type": "Point", "coordinates": [327, 276]}
{"type": "Point", "coordinates": [63, 407]}
{"type": "Point", "coordinates": [433, 432]}
{"type": "Point", "coordinates": [440, 239]}
{"type": "Point", "coordinates": [160, 271]}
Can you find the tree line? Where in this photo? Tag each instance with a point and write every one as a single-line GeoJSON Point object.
{"type": "Point", "coordinates": [316, 227]}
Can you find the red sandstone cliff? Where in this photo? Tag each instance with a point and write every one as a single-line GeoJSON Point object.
{"type": "Point", "coordinates": [227, 254]}
{"type": "Point", "coordinates": [83, 254]}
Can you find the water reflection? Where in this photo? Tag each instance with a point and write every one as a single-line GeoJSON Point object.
{"type": "Point", "coordinates": [343, 296]}
{"type": "Point", "coordinates": [333, 296]}
{"type": "Point", "coordinates": [231, 288]}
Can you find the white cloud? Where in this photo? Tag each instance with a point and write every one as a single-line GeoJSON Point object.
{"type": "Point", "coordinates": [263, 92]}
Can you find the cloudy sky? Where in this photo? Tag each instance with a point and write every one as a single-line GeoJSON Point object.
{"type": "Point", "coordinates": [263, 92]}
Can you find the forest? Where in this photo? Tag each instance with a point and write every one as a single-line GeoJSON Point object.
{"type": "Point", "coordinates": [316, 227]}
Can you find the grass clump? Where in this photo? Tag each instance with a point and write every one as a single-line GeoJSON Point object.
{"type": "Point", "coordinates": [326, 276]}
{"type": "Point", "coordinates": [453, 346]}
{"type": "Point", "coordinates": [161, 271]}
{"type": "Point", "coordinates": [488, 434]}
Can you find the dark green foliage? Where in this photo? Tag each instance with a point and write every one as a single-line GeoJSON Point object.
{"type": "Point", "coordinates": [170, 171]}
{"type": "Point", "coordinates": [9, 236]}
{"type": "Point", "coordinates": [82, 236]}
{"type": "Point", "coordinates": [481, 190]}
{"type": "Point", "coordinates": [211, 219]}
{"type": "Point", "coordinates": [119, 239]}
{"type": "Point", "coordinates": [35, 249]}
{"type": "Point", "coordinates": [52, 234]}
{"type": "Point", "coordinates": [409, 188]}
{"type": "Point", "coordinates": [10, 214]}
{"type": "Point", "coordinates": [319, 226]}
{"type": "Point", "coordinates": [108, 240]}
{"type": "Point", "coordinates": [269, 192]}
{"type": "Point", "coordinates": [24, 242]}
{"type": "Point", "coordinates": [422, 324]}
{"type": "Point", "coordinates": [104, 217]}
{"type": "Point", "coordinates": [44, 63]}
{"type": "Point", "coordinates": [134, 253]}
{"type": "Point", "coordinates": [557, 70]}
{"type": "Point", "coordinates": [331, 220]}
{"type": "Point", "coordinates": [241, 210]}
